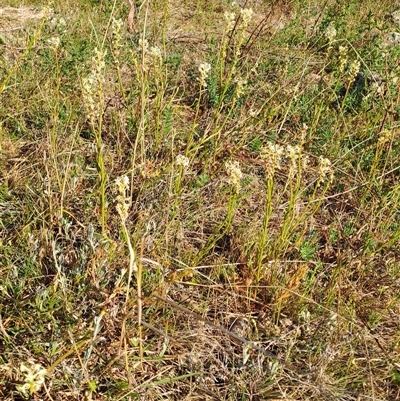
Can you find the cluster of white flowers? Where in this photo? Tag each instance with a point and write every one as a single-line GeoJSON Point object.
{"type": "Point", "coordinates": [54, 42]}
{"type": "Point", "coordinates": [230, 18]}
{"type": "Point", "coordinates": [240, 87]}
{"type": "Point", "coordinates": [293, 153]}
{"type": "Point", "coordinates": [89, 96]}
{"type": "Point", "coordinates": [351, 70]}
{"type": "Point", "coordinates": [152, 54]}
{"type": "Point", "coordinates": [384, 137]}
{"type": "Point", "coordinates": [58, 24]}
{"type": "Point", "coordinates": [143, 45]}
{"type": "Point", "coordinates": [204, 69]}
{"type": "Point", "coordinates": [354, 69]}
{"type": "Point", "coordinates": [234, 174]}
{"type": "Point", "coordinates": [247, 14]}
{"type": "Point", "coordinates": [34, 378]}
{"type": "Point", "coordinates": [253, 113]}
{"type": "Point", "coordinates": [272, 156]}
{"type": "Point", "coordinates": [93, 84]}
{"type": "Point", "coordinates": [330, 32]}
{"type": "Point", "coordinates": [123, 198]}
{"type": "Point", "coordinates": [116, 37]}
{"type": "Point", "coordinates": [155, 52]}
{"type": "Point", "coordinates": [182, 160]}
{"type": "Point", "coordinates": [325, 169]}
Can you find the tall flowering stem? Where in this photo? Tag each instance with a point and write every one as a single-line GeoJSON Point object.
{"type": "Point", "coordinates": [204, 71]}
{"type": "Point", "coordinates": [225, 82]}
{"type": "Point", "coordinates": [123, 205]}
{"type": "Point", "coordinates": [272, 156]}
{"type": "Point", "coordinates": [235, 175]}
{"type": "Point", "coordinates": [93, 96]}
{"type": "Point", "coordinates": [235, 30]}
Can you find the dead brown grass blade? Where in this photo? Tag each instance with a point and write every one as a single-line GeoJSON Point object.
{"type": "Point", "coordinates": [234, 336]}
{"type": "Point", "coordinates": [131, 15]}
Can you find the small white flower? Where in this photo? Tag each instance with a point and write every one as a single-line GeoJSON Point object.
{"type": "Point", "coordinates": [54, 42]}
{"type": "Point", "coordinates": [240, 87]}
{"type": "Point", "coordinates": [122, 184]}
{"type": "Point", "coordinates": [143, 44]}
{"type": "Point", "coordinates": [330, 32]}
{"type": "Point", "coordinates": [292, 152]}
{"type": "Point", "coordinates": [116, 30]}
{"type": "Point", "coordinates": [61, 22]}
{"type": "Point", "coordinates": [156, 52]}
{"type": "Point", "coordinates": [204, 69]}
{"type": "Point", "coordinates": [342, 58]}
{"type": "Point", "coordinates": [182, 160]}
{"type": "Point", "coordinates": [98, 61]}
{"type": "Point", "coordinates": [253, 113]}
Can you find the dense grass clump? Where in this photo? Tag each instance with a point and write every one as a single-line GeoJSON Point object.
{"type": "Point", "coordinates": [199, 200]}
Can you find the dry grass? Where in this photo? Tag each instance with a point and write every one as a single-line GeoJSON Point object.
{"type": "Point", "coordinates": [199, 281]}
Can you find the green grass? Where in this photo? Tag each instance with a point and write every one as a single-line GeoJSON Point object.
{"type": "Point", "coordinates": [200, 207]}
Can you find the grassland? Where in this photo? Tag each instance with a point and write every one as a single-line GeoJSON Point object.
{"type": "Point", "coordinates": [199, 200]}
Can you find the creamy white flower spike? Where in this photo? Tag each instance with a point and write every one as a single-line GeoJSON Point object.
{"type": "Point", "coordinates": [330, 32]}
{"type": "Point", "coordinates": [54, 42]}
{"type": "Point", "coordinates": [230, 19]}
{"type": "Point", "coordinates": [234, 174]}
{"type": "Point", "coordinates": [247, 14]}
{"type": "Point", "coordinates": [116, 35]}
{"type": "Point", "coordinates": [156, 52]}
{"type": "Point", "coordinates": [123, 199]}
{"type": "Point", "coordinates": [204, 69]}
{"type": "Point", "coordinates": [272, 156]}
{"type": "Point", "coordinates": [325, 169]}
{"type": "Point", "coordinates": [182, 160]}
